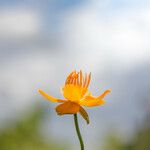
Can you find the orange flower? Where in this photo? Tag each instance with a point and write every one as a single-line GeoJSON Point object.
{"type": "Point", "coordinates": [76, 95]}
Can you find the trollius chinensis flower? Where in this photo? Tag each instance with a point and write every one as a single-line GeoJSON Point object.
{"type": "Point", "coordinates": [76, 95]}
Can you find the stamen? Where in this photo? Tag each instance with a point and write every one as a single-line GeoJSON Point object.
{"type": "Point", "coordinates": [88, 80]}
{"type": "Point", "coordinates": [78, 78]}
{"type": "Point", "coordinates": [68, 78]}
{"type": "Point", "coordinates": [81, 78]}
{"type": "Point", "coordinates": [71, 80]}
{"type": "Point", "coordinates": [85, 80]}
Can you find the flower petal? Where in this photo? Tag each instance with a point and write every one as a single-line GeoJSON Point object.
{"type": "Point", "coordinates": [91, 101]}
{"type": "Point", "coordinates": [104, 94]}
{"type": "Point", "coordinates": [67, 108]}
{"type": "Point", "coordinates": [72, 92]}
{"type": "Point", "coordinates": [84, 114]}
{"type": "Point", "coordinates": [50, 98]}
{"type": "Point", "coordinates": [76, 86]}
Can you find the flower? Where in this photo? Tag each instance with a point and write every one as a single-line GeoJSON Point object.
{"type": "Point", "coordinates": [76, 95]}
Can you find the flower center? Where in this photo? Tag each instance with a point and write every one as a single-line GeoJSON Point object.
{"type": "Point", "coordinates": [73, 92]}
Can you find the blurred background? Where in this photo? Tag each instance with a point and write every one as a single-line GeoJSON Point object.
{"type": "Point", "coordinates": [41, 41]}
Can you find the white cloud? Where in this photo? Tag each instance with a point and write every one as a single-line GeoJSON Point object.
{"type": "Point", "coordinates": [120, 38]}
{"type": "Point", "coordinates": [18, 23]}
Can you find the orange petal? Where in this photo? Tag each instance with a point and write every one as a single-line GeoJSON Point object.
{"type": "Point", "coordinates": [104, 94]}
{"type": "Point", "coordinates": [91, 101]}
{"type": "Point", "coordinates": [84, 114]}
{"type": "Point", "coordinates": [50, 98]}
{"type": "Point", "coordinates": [67, 108]}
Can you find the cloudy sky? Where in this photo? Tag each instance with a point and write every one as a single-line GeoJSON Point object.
{"type": "Point", "coordinates": [42, 41]}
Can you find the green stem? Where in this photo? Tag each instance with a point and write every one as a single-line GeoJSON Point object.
{"type": "Point", "coordinates": [78, 131]}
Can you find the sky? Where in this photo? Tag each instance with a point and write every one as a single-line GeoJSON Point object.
{"type": "Point", "coordinates": [42, 41]}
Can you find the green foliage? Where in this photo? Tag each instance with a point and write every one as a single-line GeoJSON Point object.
{"type": "Point", "coordinates": [140, 142]}
{"type": "Point", "coordinates": [113, 143]}
{"type": "Point", "coordinates": [24, 134]}
{"type": "Point", "coordinates": [143, 139]}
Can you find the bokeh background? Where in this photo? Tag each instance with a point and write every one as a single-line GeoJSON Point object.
{"type": "Point", "coordinates": [41, 41]}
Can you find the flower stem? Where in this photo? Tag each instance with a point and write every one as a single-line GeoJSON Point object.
{"type": "Point", "coordinates": [78, 131]}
